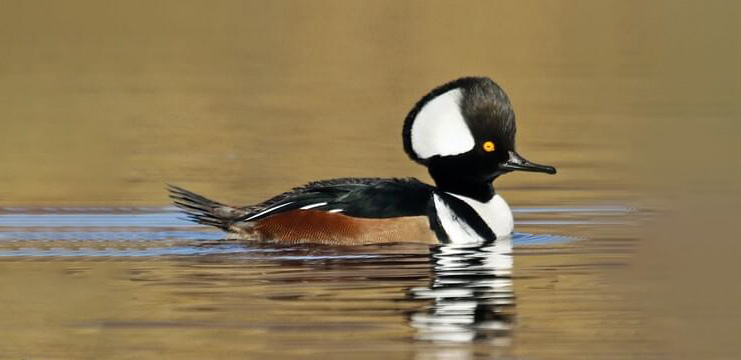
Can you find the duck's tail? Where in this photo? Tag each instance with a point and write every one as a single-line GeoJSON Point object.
{"type": "Point", "coordinates": [202, 210]}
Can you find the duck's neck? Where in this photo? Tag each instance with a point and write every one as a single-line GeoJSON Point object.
{"type": "Point", "coordinates": [480, 190]}
{"type": "Point", "coordinates": [486, 208]}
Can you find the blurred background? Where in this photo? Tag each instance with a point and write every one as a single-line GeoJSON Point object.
{"type": "Point", "coordinates": [103, 103]}
{"type": "Point", "coordinates": [636, 103]}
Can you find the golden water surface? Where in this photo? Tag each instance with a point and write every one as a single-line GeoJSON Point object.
{"type": "Point", "coordinates": [103, 103]}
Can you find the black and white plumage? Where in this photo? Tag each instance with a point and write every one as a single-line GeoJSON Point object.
{"type": "Point", "coordinates": [462, 131]}
{"type": "Point", "coordinates": [344, 203]}
{"type": "Point", "coordinates": [358, 197]}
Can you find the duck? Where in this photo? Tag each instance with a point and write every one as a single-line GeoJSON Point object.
{"type": "Point", "coordinates": [464, 133]}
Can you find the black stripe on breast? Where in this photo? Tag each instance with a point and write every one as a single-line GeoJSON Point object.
{"type": "Point", "coordinates": [435, 224]}
{"type": "Point", "coordinates": [466, 213]}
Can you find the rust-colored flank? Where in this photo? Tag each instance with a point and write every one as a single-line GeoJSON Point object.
{"type": "Point", "coordinates": [320, 227]}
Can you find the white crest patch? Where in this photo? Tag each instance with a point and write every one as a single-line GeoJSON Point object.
{"type": "Point", "coordinates": [495, 213]}
{"type": "Point", "coordinates": [439, 127]}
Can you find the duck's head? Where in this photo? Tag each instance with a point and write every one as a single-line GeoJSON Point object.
{"type": "Point", "coordinates": [464, 132]}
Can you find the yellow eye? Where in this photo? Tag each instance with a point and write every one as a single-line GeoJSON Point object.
{"type": "Point", "coordinates": [489, 146]}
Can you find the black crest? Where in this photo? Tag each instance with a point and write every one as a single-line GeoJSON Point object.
{"type": "Point", "coordinates": [485, 108]}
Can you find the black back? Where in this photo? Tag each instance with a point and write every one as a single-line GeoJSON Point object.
{"type": "Point", "coordinates": [357, 197]}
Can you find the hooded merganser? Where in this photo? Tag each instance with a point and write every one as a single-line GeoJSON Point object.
{"type": "Point", "coordinates": [462, 131]}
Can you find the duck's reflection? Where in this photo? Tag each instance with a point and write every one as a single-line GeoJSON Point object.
{"type": "Point", "coordinates": [472, 294]}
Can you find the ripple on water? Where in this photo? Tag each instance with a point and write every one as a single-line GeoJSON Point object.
{"type": "Point", "coordinates": [314, 296]}
{"type": "Point", "coordinates": [147, 232]}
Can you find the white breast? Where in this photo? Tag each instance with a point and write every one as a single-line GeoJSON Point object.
{"type": "Point", "coordinates": [458, 231]}
{"type": "Point", "coordinates": [495, 213]}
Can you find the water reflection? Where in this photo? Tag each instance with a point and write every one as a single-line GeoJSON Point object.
{"type": "Point", "coordinates": [472, 294]}
{"type": "Point", "coordinates": [456, 300]}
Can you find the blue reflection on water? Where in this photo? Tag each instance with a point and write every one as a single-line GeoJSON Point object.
{"type": "Point", "coordinates": [147, 232]}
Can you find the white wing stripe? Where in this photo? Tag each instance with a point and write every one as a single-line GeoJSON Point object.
{"type": "Point", "coordinates": [307, 207]}
{"type": "Point", "coordinates": [261, 213]}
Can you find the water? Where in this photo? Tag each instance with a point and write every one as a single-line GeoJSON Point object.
{"type": "Point", "coordinates": [102, 104]}
{"type": "Point", "coordinates": [142, 282]}
{"type": "Point", "coordinates": [158, 232]}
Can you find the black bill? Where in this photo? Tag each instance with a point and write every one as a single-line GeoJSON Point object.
{"type": "Point", "coordinates": [517, 162]}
